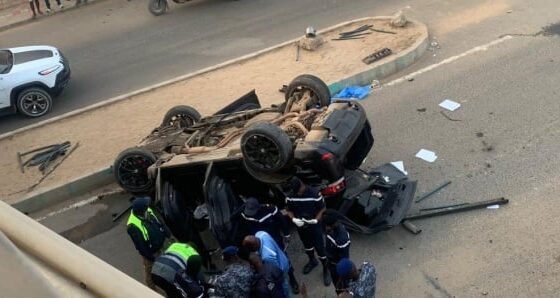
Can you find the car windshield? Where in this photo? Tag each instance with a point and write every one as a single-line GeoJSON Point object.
{"type": "Point", "coordinates": [6, 61]}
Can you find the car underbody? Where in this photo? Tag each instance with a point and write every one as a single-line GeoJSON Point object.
{"type": "Point", "coordinates": [201, 169]}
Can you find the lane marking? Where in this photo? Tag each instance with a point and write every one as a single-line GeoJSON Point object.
{"type": "Point", "coordinates": [69, 207]}
{"type": "Point", "coordinates": [450, 60]}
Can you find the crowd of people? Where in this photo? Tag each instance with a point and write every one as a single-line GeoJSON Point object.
{"type": "Point", "coordinates": [258, 264]}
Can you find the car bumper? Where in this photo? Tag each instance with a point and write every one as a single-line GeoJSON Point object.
{"type": "Point", "coordinates": [62, 79]}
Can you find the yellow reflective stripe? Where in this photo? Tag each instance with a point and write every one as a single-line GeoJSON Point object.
{"type": "Point", "coordinates": [135, 221]}
{"type": "Point", "coordinates": [182, 250]}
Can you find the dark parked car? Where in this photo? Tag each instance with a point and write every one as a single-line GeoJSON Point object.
{"type": "Point", "coordinates": [202, 168]}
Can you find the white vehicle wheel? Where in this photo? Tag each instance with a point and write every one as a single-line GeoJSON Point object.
{"type": "Point", "coordinates": [34, 102]}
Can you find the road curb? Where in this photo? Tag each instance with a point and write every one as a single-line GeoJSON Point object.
{"type": "Point", "coordinates": [193, 74]}
{"type": "Point", "coordinates": [45, 197]}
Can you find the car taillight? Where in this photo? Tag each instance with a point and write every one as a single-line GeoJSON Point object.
{"type": "Point", "coordinates": [334, 188]}
{"type": "Point", "coordinates": [49, 70]}
{"type": "Point", "coordinates": [327, 156]}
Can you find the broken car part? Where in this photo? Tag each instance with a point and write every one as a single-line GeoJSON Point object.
{"type": "Point", "coordinates": [54, 167]}
{"type": "Point", "coordinates": [462, 208]}
{"type": "Point", "coordinates": [382, 31]}
{"type": "Point", "coordinates": [430, 193]}
{"type": "Point", "coordinates": [377, 55]}
{"type": "Point", "coordinates": [411, 227]}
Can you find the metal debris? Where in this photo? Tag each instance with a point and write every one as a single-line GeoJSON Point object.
{"type": "Point", "coordinates": [430, 193]}
{"type": "Point", "coordinates": [377, 55]}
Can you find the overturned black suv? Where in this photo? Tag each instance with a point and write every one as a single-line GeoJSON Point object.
{"type": "Point", "coordinates": [201, 169]}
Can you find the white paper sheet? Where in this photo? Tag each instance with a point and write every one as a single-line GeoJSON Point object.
{"type": "Point", "coordinates": [400, 166]}
{"type": "Point", "coordinates": [426, 155]}
{"type": "Point", "coordinates": [493, 207]}
{"type": "Point", "coordinates": [450, 105]}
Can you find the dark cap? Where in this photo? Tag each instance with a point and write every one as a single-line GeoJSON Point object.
{"type": "Point", "coordinates": [344, 268]}
{"type": "Point", "coordinates": [252, 206]}
{"type": "Point", "coordinates": [140, 205]}
{"type": "Point", "coordinates": [230, 251]}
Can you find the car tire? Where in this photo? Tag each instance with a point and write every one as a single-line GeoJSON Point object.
{"type": "Point", "coordinates": [176, 214]}
{"type": "Point", "coordinates": [266, 148]}
{"type": "Point", "coordinates": [130, 170]}
{"type": "Point", "coordinates": [157, 7]}
{"type": "Point", "coordinates": [306, 82]}
{"type": "Point", "coordinates": [34, 102]}
{"type": "Point", "coordinates": [270, 178]}
{"type": "Point", "coordinates": [181, 117]}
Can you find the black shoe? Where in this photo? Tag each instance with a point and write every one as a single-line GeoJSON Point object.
{"type": "Point", "coordinates": [294, 285]}
{"type": "Point", "coordinates": [310, 266]}
{"type": "Point", "coordinates": [326, 276]}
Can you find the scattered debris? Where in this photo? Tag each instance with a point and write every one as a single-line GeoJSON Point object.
{"type": "Point", "coordinates": [353, 92]}
{"type": "Point", "coordinates": [421, 110]}
{"type": "Point", "coordinates": [377, 55]}
{"type": "Point", "coordinates": [442, 207]}
{"type": "Point", "coordinates": [43, 156]}
{"type": "Point", "coordinates": [426, 155]}
{"type": "Point", "coordinates": [297, 52]}
{"type": "Point", "coordinates": [375, 84]}
{"type": "Point", "coordinates": [399, 165]}
{"type": "Point", "coordinates": [310, 43]}
{"type": "Point", "coordinates": [357, 30]}
{"type": "Point", "coordinates": [430, 193]}
{"type": "Point", "coordinates": [310, 32]}
{"type": "Point", "coordinates": [383, 31]}
{"type": "Point", "coordinates": [434, 45]}
{"type": "Point", "coordinates": [450, 105]}
{"type": "Point", "coordinates": [118, 216]}
{"type": "Point", "coordinates": [410, 79]}
{"type": "Point", "coordinates": [399, 19]}
{"type": "Point", "coordinates": [411, 227]}
{"type": "Point", "coordinates": [479, 134]}
{"type": "Point", "coordinates": [449, 118]}
{"type": "Point", "coordinates": [347, 38]}
{"type": "Point", "coordinates": [54, 167]}
{"type": "Point", "coordinates": [462, 208]}
{"type": "Point", "coordinates": [484, 293]}
{"type": "Point", "coordinates": [509, 11]}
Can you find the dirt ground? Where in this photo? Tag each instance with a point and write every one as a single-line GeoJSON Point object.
{"type": "Point", "coordinates": [106, 131]}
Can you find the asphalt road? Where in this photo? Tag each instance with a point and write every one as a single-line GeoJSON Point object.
{"type": "Point", "coordinates": [115, 47]}
{"type": "Point", "coordinates": [505, 145]}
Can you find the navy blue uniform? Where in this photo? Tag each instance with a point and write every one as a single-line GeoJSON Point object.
{"type": "Point", "coordinates": [337, 248]}
{"type": "Point", "coordinates": [268, 219]}
{"type": "Point", "coordinates": [307, 206]}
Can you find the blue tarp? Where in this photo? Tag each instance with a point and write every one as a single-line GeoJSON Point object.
{"type": "Point", "coordinates": [353, 92]}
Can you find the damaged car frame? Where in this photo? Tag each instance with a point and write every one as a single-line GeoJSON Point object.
{"type": "Point", "coordinates": [201, 169]}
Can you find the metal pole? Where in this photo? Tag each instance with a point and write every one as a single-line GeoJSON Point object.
{"type": "Point", "coordinates": [427, 195]}
{"type": "Point", "coordinates": [467, 207]}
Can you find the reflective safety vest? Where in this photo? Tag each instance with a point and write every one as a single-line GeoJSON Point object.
{"type": "Point", "coordinates": [139, 223]}
{"type": "Point", "coordinates": [181, 250]}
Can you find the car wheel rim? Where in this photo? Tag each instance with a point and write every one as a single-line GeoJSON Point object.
{"type": "Point", "coordinates": [263, 152]}
{"type": "Point", "coordinates": [35, 103]}
{"type": "Point", "coordinates": [132, 171]}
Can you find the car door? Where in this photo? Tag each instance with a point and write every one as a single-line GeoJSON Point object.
{"type": "Point", "coordinates": [4, 92]}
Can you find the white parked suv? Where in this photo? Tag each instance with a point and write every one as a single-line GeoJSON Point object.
{"type": "Point", "coordinates": [30, 77]}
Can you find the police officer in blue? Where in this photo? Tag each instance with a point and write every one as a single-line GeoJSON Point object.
{"type": "Point", "coordinates": [305, 206]}
{"type": "Point", "coordinates": [148, 233]}
{"type": "Point", "coordinates": [337, 245]}
{"type": "Point", "coordinates": [263, 217]}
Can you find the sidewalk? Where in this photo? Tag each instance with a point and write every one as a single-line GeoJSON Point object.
{"type": "Point", "coordinates": [22, 14]}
